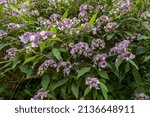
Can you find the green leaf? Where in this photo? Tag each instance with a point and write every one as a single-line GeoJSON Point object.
{"type": "Point", "coordinates": [92, 20]}
{"type": "Point", "coordinates": [127, 67]}
{"type": "Point", "coordinates": [110, 36]}
{"type": "Point", "coordinates": [55, 39]}
{"type": "Point", "coordinates": [146, 25]}
{"type": "Point", "coordinates": [87, 90]}
{"type": "Point", "coordinates": [2, 45]}
{"type": "Point", "coordinates": [95, 94]}
{"type": "Point", "coordinates": [146, 59]}
{"type": "Point", "coordinates": [75, 90]}
{"type": "Point", "coordinates": [15, 63]}
{"type": "Point", "coordinates": [136, 75]}
{"type": "Point", "coordinates": [45, 82]}
{"type": "Point", "coordinates": [141, 50]}
{"type": "Point", "coordinates": [104, 90]}
{"type": "Point", "coordinates": [143, 37]}
{"type": "Point", "coordinates": [103, 74]}
{"type": "Point", "coordinates": [133, 63]}
{"type": "Point", "coordinates": [56, 53]}
{"type": "Point", "coordinates": [53, 29]}
{"type": "Point", "coordinates": [30, 59]}
{"type": "Point", "coordinates": [59, 83]}
{"type": "Point", "coordinates": [118, 63]}
{"type": "Point", "coordinates": [83, 71]}
{"type": "Point", "coordinates": [26, 69]}
{"type": "Point", "coordinates": [42, 46]}
{"type": "Point", "coordinates": [65, 14]}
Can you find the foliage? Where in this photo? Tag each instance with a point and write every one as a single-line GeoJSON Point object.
{"type": "Point", "coordinates": [74, 49]}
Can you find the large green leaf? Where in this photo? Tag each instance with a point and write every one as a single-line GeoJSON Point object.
{"type": "Point", "coordinates": [26, 69]}
{"type": "Point", "coordinates": [146, 59]}
{"type": "Point", "coordinates": [92, 20]}
{"type": "Point", "coordinates": [30, 59]}
{"type": "Point", "coordinates": [45, 82]}
{"type": "Point", "coordinates": [83, 71]}
{"type": "Point", "coordinates": [65, 15]}
{"type": "Point", "coordinates": [103, 74]}
{"type": "Point", "coordinates": [75, 90]}
{"type": "Point", "coordinates": [118, 63]}
{"type": "Point", "coordinates": [56, 53]}
{"type": "Point", "coordinates": [133, 63]}
{"type": "Point", "coordinates": [59, 83]}
{"type": "Point", "coordinates": [87, 90]}
{"type": "Point", "coordinates": [2, 45]}
{"type": "Point", "coordinates": [136, 75]}
{"type": "Point", "coordinates": [146, 25]}
{"type": "Point", "coordinates": [104, 90]}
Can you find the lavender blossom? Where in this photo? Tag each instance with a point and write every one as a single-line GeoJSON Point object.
{"type": "Point", "coordinates": [25, 6]}
{"type": "Point", "coordinates": [55, 17]}
{"type": "Point", "coordinates": [85, 6]}
{"type": "Point", "coordinates": [81, 48]}
{"type": "Point", "coordinates": [66, 66]}
{"type": "Point", "coordinates": [44, 21]}
{"type": "Point", "coordinates": [125, 5]}
{"type": "Point", "coordinates": [141, 96]}
{"type": "Point", "coordinates": [48, 63]}
{"type": "Point", "coordinates": [35, 39]}
{"type": "Point", "coordinates": [10, 53]}
{"type": "Point", "coordinates": [83, 16]}
{"type": "Point", "coordinates": [2, 33]}
{"type": "Point", "coordinates": [120, 47]}
{"type": "Point", "coordinates": [66, 23]}
{"type": "Point", "coordinates": [97, 43]}
{"type": "Point", "coordinates": [35, 13]}
{"type": "Point", "coordinates": [45, 34]}
{"type": "Point", "coordinates": [92, 82]}
{"type": "Point", "coordinates": [111, 26]}
{"type": "Point", "coordinates": [40, 95]}
{"type": "Point", "coordinates": [25, 38]}
{"type": "Point", "coordinates": [14, 26]}
{"type": "Point", "coordinates": [100, 60]}
{"type": "Point", "coordinates": [2, 1]}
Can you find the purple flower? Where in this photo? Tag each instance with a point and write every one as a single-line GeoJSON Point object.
{"type": "Point", "coordinates": [10, 53]}
{"type": "Point", "coordinates": [97, 43]}
{"type": "Point", "coordinates": [92, 82]}
{"type": "Point", "coordinates": [40, 95]}
{"type": "Point", "coordinates": [83, 16]}
{"type": "Point", "coordinates": [45, 34]}
{"type": "Point", "coordinates": [2, 33]}
{"type": "Point", "coordinates": [125, 5]}
{"type": "Point", "coordinates": [25, 38]}
{"type": "Point", "coordinates": [55, 17]}
{"type": "Point", "coordinates": [110, 26]}
{"type": "Point", "coordinates": [45, 65]}
{"type": "Point", "coordinates": [85, 6]}
{"type": "Point", "coordinates": [66, 66]}
{"type": "Point", "coordinates": [35, 39]}
{"type": "Point", "coordinates": [25, 6]}
{"type": "Point", "coordinates": [67, 71]}
{"type": "Point", "coordinates": [81, 48]}
{"type": "Point", "coordinates": [66, 23]}
{"type": "Point", "coordinates": [100, 60]}
{"type": "Point", "coordinates": [120, 47]}
{"type": "Point", "coordinates": [2, 1]}
{"type": "Point", "coordinates": [13, 26]}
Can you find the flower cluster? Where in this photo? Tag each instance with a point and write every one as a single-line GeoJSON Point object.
{"type": "Point", "coordinates": [80, 48]}
{"type": "Point", "coordinates": [66, 23]}
{"type": "Point", "coordinates": [65, 66]}
{"type": "Point", "coordinates": [34, 38]}
{"type": "Point", "coordinates": [142, 96]}
{"type": "Point", "coordinates": [125, 5]}
{"type": "Point", "coordinates": [92, 82]}
{"type": "Point", "coordinates": [98, 43]}
{"type": "Point", "coordinates": [100, 60]}
{"type": "Point", "coordinates": [55, 17]}
{"type": "Point", "coordinates": [111, 26]}
{"type": "Point", "coordinates": [62, 65]}
{"type": "Point", "coordinates": [145, 15]}
{"type": "Point", "coordinates": [40, 95]}
{"type": "Point", "coordinates": [10, 53]}
{"type": "Point", "coordinates": [2, 33]}
{"type": "Point", "coordinates": [46, 65]}
{"type": "Point", "coordinates": [25, 7]}
{"type": "Point", "coordinates": [14, 26]}
{"type": "Point", "coordinates": [121, 49]}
